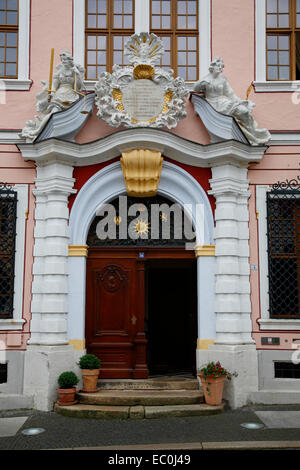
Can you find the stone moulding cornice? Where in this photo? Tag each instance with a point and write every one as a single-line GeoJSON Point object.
{"type": "Point", "coordinates": [229, 185]}
{"type": "Point", "coordinates": [169, 144]}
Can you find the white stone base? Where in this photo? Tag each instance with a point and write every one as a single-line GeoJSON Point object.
{"type": "Point", "coordinates": [241, 359]}
{"type": "Point", "coordinates": [15, 402]}
{"type": "Point", "coordinates": [43, 365]}
{"type": "Point", "coordinates": [280, 397]}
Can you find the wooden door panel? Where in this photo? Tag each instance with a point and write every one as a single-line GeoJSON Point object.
{"type": "Point", "coordinates": [111, 300]}
{"type": "Point", "coordinates": [111, 312]}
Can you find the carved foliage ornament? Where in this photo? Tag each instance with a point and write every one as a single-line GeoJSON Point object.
{"type": "Point", "coordinates": [141, 95]}
{"type": "Point", "coordinates": [112, 278]}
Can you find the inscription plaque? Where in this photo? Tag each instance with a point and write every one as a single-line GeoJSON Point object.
{"type": "Point", "coordinates": [143, 100]}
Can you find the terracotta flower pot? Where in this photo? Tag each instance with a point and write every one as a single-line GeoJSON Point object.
{"type": "Point", "coordinates": [90, 379]}
{"type": "Point", "coordinates": [213, 388]}
{"type": "Point", "coordinates": [66, 396]}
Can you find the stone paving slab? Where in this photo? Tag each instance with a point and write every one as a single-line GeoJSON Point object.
{"type": "Point", "coordinates": [10, 426]}
{"type": "Point", "coordinates": [280, 419]}
{"type": "Point", "coordinates": [182, 410]}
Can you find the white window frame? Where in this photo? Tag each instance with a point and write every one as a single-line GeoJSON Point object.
{"type": "Point", "coordinates": [16, 323]}
{"type": "Point", "coordinates": [261, 83]}
{"type": "Point", "coordinates": [22, 82]}
{"type": "Point", "coordinates": [142, 24]}
{"type": "Point", "coordinates": [265, 322]}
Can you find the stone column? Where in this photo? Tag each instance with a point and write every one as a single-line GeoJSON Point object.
{"type": "Point", "coordinates": [234, 346]}
{"type": "Point", "coordinates": [48, 353]}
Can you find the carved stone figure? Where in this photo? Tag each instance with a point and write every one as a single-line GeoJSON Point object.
{"type": "Point", "coordinates": [66, 89]}
{"type": "Point", "coordinates": [220, 95]}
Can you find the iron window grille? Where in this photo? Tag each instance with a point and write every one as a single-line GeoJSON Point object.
{"type": "Point", "coordinates": [283, 222]}
{"type": "Point", "coordinates": [8, 216]}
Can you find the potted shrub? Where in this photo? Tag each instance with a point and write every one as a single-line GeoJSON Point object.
{"type": "Point", "coordinates": [213, 376]}
{"type": "Point", "coordinates": [90, 367]}
{"type": "Point", "coordinates": [67, 382]}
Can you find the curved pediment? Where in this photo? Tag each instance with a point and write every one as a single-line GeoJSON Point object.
{"type": "Point", "coordinates": [169, 144]}
{"type": "Point", "coordinates": [203, 125]}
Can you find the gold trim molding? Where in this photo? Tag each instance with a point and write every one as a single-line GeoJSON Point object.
{"type": "Point", "coordinates": [79, 344]}
{"type": "Point", "coordinates": [141, 169]}
{"type": "Point", "coordinates": [205, 250]}
{"type": "Point", "coordinates": [204, 343]}
{"type": "Point", "coordinates": [78, 250]}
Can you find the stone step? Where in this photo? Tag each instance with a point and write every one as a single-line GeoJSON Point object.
{"type": "Point", "coordinates": [141, 397]}
{"type": "Point", "coordinates": [172, 411]}
{"type": "Point", "coordinates": [165, 383]}
{"type": "Point", "coordinates": [137, 412]}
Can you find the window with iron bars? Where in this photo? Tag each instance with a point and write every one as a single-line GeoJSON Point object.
{"type": "Point", "coordinates": [283, 222]}
{"type": "Point", "coordinates": [8, 216]}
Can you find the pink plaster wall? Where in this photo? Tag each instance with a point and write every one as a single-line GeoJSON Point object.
{"type": "Point", "coordinates": [233, 38]}
{"type": "Point", "coordinates": [51, 25]}
{"type": "Point", "coordinates": [278, 164]}
{"type": "Point", "coordinates": [14, 170]}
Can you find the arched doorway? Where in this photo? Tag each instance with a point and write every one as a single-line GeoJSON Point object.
{"type": "Point", "coordinates": [107, 184]}
{"type": "Point", "coordinates": [141, 285]}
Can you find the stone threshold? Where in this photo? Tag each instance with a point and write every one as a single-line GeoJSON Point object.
{"type": "Point", "coordinates": [137, 412]}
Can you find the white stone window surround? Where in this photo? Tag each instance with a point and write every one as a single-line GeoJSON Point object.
{"type": "Point", "coordinates": [17, 321]}
{"type": "Point", "coordinates": [265, 322]}
{"type": "Point", "coordinates": [22, 82]}
{"type": "Point", "coordinates": [142, 24]}
{"type": "Point", "coordinates": [261, 83]}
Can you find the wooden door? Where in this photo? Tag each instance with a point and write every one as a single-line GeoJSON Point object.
{"type": "Point", "coordinates": [115, 314]}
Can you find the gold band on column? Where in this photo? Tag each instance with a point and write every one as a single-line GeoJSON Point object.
{"type": "Point", "coordinates": [78, 250]}
{"type": "Point", "coordinates": [204, 343]}
{"type": "Point", "coordinates": [79, 344]}
{"type": "Point", "coordinates": [204, 250]}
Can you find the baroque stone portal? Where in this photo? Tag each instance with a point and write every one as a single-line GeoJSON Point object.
{"type": "Point", "coordinates": [141, 95]}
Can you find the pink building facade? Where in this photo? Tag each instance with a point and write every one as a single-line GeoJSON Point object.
{"type": "Point", "coordinates": [246, 289]}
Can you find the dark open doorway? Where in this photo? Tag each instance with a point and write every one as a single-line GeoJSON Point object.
{"type": "Point", "coordinates": [171, 316]}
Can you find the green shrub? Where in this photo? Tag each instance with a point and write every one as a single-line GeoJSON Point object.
{"type": "Point", "coordinates": [67, 380]}
{"type": "Point", "coordinates": [89, 361]}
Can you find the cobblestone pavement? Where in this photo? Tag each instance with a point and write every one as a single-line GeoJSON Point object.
{"type": "Point", "coordinates": [67, 433]}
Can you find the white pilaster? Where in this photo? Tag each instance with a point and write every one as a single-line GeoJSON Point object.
{"type": "Point", "coordinates": [206, 294]}
{"type": "Point", "coordinates": [49, 307]}
{"type": "Point", "coordinates": [233, 308]}
{"type": "Point", "coordinates": [234, 346]}
{"type": "Point", "coordinates": [48, 353]}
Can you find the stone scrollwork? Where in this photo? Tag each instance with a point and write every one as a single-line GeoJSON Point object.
{"type": "Point", "coordinates": [67, 88]}
{"type": "Point", "coordinates": [220, 95]}
{"type": "Point", "coordinates": [141, 95]}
